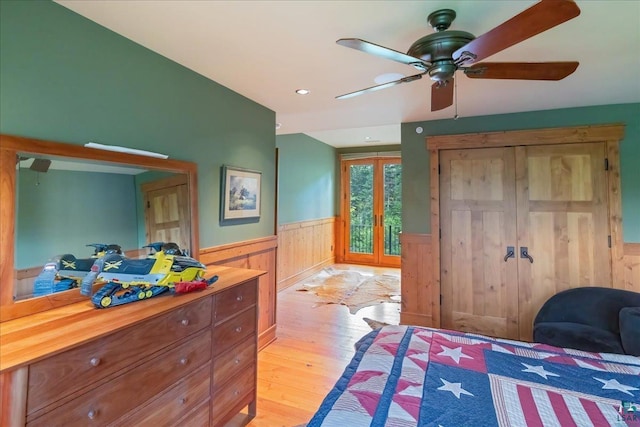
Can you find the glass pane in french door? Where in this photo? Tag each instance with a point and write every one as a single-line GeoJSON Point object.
{"type": "Point", "coordinates": [392, 205]}
{"type": "Point", "coordinates": [361, 209]}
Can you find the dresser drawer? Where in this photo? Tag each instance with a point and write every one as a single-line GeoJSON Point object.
{"type": "Point", "coordinates": [69, 372]}
{"type": "Point", "coordinates": [167, 409]}
{"type": "Point", "coordinates": [234, 330]}
{"type": "Point", "coordinates": [235, 300]}
{"type": "Point", "coordinates": [232, 362]}
{"type": "Point", "coordinates": [108, 402]}
{"type": "Point", "coordinates": [233, 395]}
{"type": "Point", "coordinates": [199, 417]}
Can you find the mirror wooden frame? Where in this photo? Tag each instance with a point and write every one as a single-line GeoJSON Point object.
{"type": "Point", "coordinates": [10, 146]}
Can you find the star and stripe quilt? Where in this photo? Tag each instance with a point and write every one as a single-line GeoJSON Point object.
{"type": "Point", "coordinates": [403, 376]}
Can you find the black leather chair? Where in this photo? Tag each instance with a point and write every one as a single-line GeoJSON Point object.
{"type": "Point", "coordinates": [602, 320]}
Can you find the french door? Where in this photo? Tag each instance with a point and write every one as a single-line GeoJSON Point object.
{"type": "Point", "coordinates": [372, 210]}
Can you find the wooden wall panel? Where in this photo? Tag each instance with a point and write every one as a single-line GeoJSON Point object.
{"type": "Point", "coordinates": [418, 305]}
{"type": "Point", "coordinates": [304, 248]}
{"type": "Point", "coordinates": [257, 254]}
{"type": "Point", "coordinates": [24, 281]}
{"type": "Point", "coordinates": [632, 266]}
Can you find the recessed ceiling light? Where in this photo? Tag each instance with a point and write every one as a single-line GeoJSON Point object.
{"type": "Point", "coordinates": [303, 91]}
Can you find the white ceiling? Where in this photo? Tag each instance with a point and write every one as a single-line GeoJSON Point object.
{"type": "Point", "coordinates": [265, 50]}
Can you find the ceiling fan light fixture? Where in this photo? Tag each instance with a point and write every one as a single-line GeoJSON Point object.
{"type": "Point", "coordinates": [303, 91]}
{"type": "Point", "coordinates": [442, 70]}
{"type": "Point", "coordinates": [388, 77]}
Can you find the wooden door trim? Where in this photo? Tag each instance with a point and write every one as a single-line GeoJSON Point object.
{"type": "Point", "coordinates": [565, 135]}
{"type": "Point", "coordinates": [159, 184]}
{"type": "Point", "coordinates": [610, 134]}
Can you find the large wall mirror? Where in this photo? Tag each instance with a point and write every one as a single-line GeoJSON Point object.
{"type": "Point", "coordinates": [68, 199]}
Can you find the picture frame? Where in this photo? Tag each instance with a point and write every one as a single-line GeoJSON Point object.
{"type": "Point", "coordinates": [241, 190]}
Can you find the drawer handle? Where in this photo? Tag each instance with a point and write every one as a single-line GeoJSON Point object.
{"type": "Point", "coordinates": [237, 361]}
{"type": "Point", "coordinates": [185, 322]}
{"type": "Point", "coordinates": [92, 414]}
{"type": "Point", "coordinates": [183, 400]}
{"type": "Point", "coordinates": [239, 329]}
{"type": "Point", "coordinates": [239, 298]}
{"type": "Point", "coordinates": [184, 361]}
{"type": "Point", "coordinates": [236, 392]}
{"type": "Point", "coordinates": [95, 361]}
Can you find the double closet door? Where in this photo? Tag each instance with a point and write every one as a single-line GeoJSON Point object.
{"type": "Point", "coordinates": [518, 225]}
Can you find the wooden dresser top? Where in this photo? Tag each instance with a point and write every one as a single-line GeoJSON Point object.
{"type": "Point", "coordinates": [31, 338]}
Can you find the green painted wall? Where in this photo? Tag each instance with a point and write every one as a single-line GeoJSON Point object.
{"type": "Point", "coordinates": [308, 177]}
{"type": "Point", "coordinates": [62, 211]}
{"type": "Point", "coordinates": [415, 158]}
{"type": "Point", "coordinates": [65, 78]}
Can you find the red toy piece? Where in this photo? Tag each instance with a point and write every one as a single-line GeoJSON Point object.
{"type": "Point", "coordinates": [186, 287]}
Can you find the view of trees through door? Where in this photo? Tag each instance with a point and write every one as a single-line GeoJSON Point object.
{"type": "Point", "coordinates": [372, 210]}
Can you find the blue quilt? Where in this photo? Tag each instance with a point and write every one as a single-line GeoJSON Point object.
{"type": "Point", "coordinates": [412, 376]}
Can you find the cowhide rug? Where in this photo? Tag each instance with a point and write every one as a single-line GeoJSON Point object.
{"type": "Point", "coordinates": [374, 324]}
{"type": "Point", "coordinates": [353, 289]}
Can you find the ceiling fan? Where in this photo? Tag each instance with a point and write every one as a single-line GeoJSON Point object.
{"type": "Point", "coordinates": [446, 51]}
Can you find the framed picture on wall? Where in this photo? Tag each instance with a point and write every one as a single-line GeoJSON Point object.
{"type": "Point", "coordinates": [240, 193]}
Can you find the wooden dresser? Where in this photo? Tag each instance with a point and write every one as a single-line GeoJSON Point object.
{"type": "Point", "coordinates": [185, 360]}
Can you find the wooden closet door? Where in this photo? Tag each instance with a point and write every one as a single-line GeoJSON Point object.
{"type": "Point", "coordinates": [166, 215]}
{"type": "Point", "coordinates": [478, 223]}
{"type": "Point", "coordinates": [563, 221]}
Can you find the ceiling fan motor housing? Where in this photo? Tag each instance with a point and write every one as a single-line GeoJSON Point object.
{"type": "Point", "coordinates": [438, 48]}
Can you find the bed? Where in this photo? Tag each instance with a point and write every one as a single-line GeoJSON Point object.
{"type": "Point", "coordinates": [415, 376]}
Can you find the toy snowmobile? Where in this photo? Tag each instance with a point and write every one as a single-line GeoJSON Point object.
{"type": "Point", "coordinates": [126, 280]}
{"type": "Point", "coordinates": [65, 272]}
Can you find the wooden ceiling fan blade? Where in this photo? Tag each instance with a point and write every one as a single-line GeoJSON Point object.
{"type": "Point", "coordinates": [522, 70]}
{"type": "Point", "coordinates": [538, 18]}
{"type": "Point", "coordinates": [382, 86]}
{"type": "Point", "coordinates": [383, 52]}
{"type": "Point", "coordinates": [441, 95]}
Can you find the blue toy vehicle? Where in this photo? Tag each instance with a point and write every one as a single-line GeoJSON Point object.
{"type": "Point", "coordinates": [124, 280]}
{"type": "Point", "coordinates": [65, 272]}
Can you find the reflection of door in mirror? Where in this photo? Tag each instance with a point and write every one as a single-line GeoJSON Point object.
{"type": "Point", "coordinates": [166, 204]}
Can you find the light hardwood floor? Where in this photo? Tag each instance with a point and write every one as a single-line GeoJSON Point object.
{"type": "Point", "coordinates": [313, 346]}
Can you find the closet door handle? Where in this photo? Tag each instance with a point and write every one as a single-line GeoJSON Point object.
{"type": "Point", "coordinates": [524, 253]}
{"type": "Point", "coordinates": [511, 253]}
